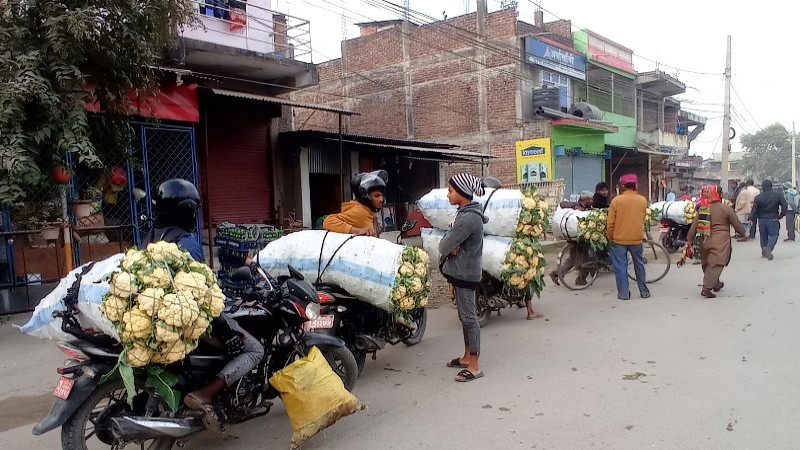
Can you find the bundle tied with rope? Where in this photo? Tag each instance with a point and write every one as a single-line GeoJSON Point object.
{"type": "Point", "coordinates": [393, 277]}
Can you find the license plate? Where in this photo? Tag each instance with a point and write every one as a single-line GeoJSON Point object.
{"type": "Point", "coordinates": [322, 322]}
{"type": "Point", "coordinates": [63, 388]}
{"type": "Point", "coordinates": [665, 230]}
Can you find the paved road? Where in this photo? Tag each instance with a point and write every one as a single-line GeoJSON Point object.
{"type": "Point", "coordinates": [716, 374]}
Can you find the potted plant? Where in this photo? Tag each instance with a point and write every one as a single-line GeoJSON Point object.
{"type": "Point", "coordinates": [85, 205]}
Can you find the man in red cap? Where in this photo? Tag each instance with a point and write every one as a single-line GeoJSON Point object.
{"type": "Point", "coordinates": [625, 232]}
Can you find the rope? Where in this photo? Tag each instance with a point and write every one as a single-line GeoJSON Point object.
{"type": "Point", "coordinates": [319, 264]}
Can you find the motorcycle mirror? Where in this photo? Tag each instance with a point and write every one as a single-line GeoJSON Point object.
{"type": "Point", "coordinates": [408, 225]}
{"type": "Point", "coordinates": [242, 274]}
{"type": "Point", "coordinates": [491, 182]}
{"type": "Point", "coordinates": [295, 274]}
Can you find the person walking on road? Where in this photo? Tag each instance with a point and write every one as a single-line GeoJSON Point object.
{"type": "Point", "coordinates": [713, 225]}
{"type": "Point", "coordinates": [625, 232]}
{"type": "Point", "coordinates": [461, 250]}
{"type": "Point", "coordinates": [744, 206]}
{"type": "Point", "coordinates": [769, 207]}
{"type": "Point", "coordinates": [790, 194]}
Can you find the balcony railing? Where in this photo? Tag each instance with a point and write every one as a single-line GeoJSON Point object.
{"type": "Point", "coordinates": [249, 26]}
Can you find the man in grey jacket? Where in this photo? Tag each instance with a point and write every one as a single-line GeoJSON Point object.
{"type": "Point", "coordinates": [462, 249]}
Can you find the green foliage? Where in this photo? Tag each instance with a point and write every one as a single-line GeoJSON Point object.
{"type": "Point", "coordinates": [52, 54]}
{"type": "Point", "coordinates": [768, 153]}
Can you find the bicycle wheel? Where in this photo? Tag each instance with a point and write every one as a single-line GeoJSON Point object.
{"type": "Point", "coordinates": [656, 262]}
{"type": "Point", "coordinates": [579, 266]}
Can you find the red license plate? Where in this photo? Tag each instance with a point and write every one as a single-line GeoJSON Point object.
{"type": "Point", "coordinates": [665, 230]}
{"type": "Point", "coordinates": [320, 323]}
{"type": "Point", "coordinates": [63, 388]}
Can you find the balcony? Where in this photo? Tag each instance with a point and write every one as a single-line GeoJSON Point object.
{"type": "Point", "coordinates": [663, 141]}
{"type": "Point", "coordinates": [248, 40]}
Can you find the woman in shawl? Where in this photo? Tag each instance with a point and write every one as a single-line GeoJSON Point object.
{"type": "Point", "coordinates": [713, 225]}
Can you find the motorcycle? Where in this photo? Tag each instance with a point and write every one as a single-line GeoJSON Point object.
{"type": "Point", "coordinates": [365, 328]}
{"type": "Point", "coordinates": [93, 414]}
{"type": "Point", "coordinates": [673, 235]}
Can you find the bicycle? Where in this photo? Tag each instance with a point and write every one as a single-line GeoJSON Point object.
{"type": "Point", "coordinates": [584, 264]}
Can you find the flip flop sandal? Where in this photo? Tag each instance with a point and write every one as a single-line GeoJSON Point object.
{"type": "Point", "coordinates": [466, 376]}
{"type": "Point", "coordinates": [210, 417]}
{"type": "Point", "coordinates": [456, 362]}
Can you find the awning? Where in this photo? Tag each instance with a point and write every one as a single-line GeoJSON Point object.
{"type": "Point", "coordinates": [172, 102]}
{"type": "Point", "coordinates": [585, 125]}
{"type": "Point", "coordinates": [283, 101]}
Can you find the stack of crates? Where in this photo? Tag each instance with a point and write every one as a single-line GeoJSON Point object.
{"type": "Point", "coordinates": [236, 243]}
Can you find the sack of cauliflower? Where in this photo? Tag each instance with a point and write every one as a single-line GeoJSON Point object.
{"type": "Point", "coordinates": [161, 301]}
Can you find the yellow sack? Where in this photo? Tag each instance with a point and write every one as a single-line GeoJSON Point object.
{"type": "Point", "coordinates": [314, 396]}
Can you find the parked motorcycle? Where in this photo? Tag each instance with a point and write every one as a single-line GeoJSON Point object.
{"type": "Point", "coordinates": [365, 328]}
{"type": "Point", "coordinates": [95, 415]}
{"type": "Point", "coordinates": [673, 235]}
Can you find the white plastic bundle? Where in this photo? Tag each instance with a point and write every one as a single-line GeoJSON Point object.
{"type": "Point", "coordinates": [565, 222]}
{"type": "Point", "coordinates": [93, 288]}
{"type": "Point", "coordinates": [494, 250]}
{"type": "Point", "coordinates": [673, 210]}
{"type": "Point", "coordinates": [503, 210]}
{"type": "Point", "coordinates": [364, 266]}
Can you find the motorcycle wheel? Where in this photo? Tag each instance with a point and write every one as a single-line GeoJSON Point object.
{"type": "Point", "coordinates": [668, 244]}
{"type": "Point", "coordinates": [421, 319]}
{"type": "Point", "coordinates": [343, 364]}
{"type": "Point", "coordinates": [483, 312]}
{"type": "Point", "coordinates": [361, 359]}
{"type": "Point", "coordinates": [89, 427]}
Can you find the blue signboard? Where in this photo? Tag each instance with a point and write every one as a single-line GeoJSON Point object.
{"type": "Point", "coordinates": [556, 59]}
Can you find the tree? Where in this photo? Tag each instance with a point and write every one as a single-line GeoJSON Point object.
{"type": "Point", "coordinates": [58, 55]}
{"type": "Point", "coordinates": [768, 153]}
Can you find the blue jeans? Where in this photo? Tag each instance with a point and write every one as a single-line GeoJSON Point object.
{"type": "Point", "coordinates": [769, 230]}
{"type": "Point", "coordinates": [619, 261]}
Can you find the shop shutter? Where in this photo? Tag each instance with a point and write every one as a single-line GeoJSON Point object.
{"type": "Point", "coordinates": [587, 171]}
{"type": "Point", "coordinates": [239, 165]}
{"type": "Point", "coordinates": [564, 170]}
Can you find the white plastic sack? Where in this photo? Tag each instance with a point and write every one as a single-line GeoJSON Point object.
{"type": "Point", "coordinates": [364, 266]}
{"type": "Point", "coordinates": [90, 296]}
{"type": "Point", "coordinates": [673, 210]}
{"type": "Point", "coordinates": [565, 222]}
{"type": "Point", "coordinates": [503, 210]}
{"type": "Point", "coordinates": [494, 250]}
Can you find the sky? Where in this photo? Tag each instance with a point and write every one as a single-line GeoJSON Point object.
{"type": "Point", "coordinates": [683, 38]}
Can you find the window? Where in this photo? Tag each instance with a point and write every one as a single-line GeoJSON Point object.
{"type": "Point", "coordinates": [550, 79]}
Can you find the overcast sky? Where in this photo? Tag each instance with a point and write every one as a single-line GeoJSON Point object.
{"type": "Point", "coordinates": [682, 36]}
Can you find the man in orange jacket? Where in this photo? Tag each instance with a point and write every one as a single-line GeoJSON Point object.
{"type": "Point", "coordinates": [625, 232]}
{"type": "Point", "coordinates": [358, 216]}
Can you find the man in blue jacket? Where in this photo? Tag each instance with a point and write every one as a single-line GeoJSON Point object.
{"type": "Point", "coordinates": [769, 208]}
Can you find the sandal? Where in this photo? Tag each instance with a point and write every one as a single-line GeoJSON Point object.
{"type": "Point", "coordinates": [210, 417]}
{"type": "Point", "coordinates": [456, 362]}
{"type": "Point", "coordinates": [465, 376]}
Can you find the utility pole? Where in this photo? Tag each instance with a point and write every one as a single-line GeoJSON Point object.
{"type": "Point", "coordinates": [726, 120]}
{"type": "Point", "coordinates": [794, 157]}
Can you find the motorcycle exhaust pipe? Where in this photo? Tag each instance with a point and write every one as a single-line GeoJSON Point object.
{"type": "Point", "coordinates": [132, 428]}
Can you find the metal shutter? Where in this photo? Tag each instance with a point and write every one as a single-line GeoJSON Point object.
{"type": "Point", "coordinates": [587, 171]}
{"type": "Point", "coordinates": [239, 165]}
{"type": "Point", "coordinates": [564, 170]}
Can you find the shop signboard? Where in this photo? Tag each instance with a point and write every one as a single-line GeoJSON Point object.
{"type": "Point", "coordinates": [556, 59]}
{"type": "Point", "coordinates": [534, 160]}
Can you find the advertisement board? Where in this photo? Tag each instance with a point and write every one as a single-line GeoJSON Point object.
{"type": "Point", "coordinates": [534, 160]}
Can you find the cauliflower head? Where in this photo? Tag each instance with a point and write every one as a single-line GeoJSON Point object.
{"type": "Point", "coordinates": [192, 282]}
{"type": "Point", "coordinates": [158, 278]}
{"type": "Point", "coordinates": [215, 301]}
{"type": "Point", "coordinates": [114, 307]}
{"type": "Point", "coordinates": [136, 324]}
{"type": "Point", "coordinates": [179, 309]}
{"type": "Point", "coordinates": [139, 355]}
{"type": "Point", "coordinates": [209, 274]}
{"type": "Point", "coordinates": [170, 353]}
{"type": "Point", "coordinates": [123, 284]}
{"type": "Point", "coordinates": [197, 329]}
{"type": "Point", "coordinates": [149, 300]}
{"type": "Point", "coordinates": [133, 258]}
{"type": "Point", "coordinates": [166, 333]}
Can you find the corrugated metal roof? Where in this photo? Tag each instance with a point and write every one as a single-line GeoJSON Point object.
{"type": "Point", "coordinates": [363, 138]}
{"type": "Point", "coordinates": [418, 151]}
{"type": "Point", "coordinates": [283, 101]}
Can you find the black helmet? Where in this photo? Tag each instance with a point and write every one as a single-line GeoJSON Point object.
{"type": "Point", "coordinates": [175, 203]}
{"type": "Point", "coordinates": [363, 183]}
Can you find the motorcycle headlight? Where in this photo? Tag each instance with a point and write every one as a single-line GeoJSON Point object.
{"type": "Point", "coordinates": [312, 311]}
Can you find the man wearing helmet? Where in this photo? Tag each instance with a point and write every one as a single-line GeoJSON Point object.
{"type": "Point", "coordinates": [358, 216]}
{"type": "Point", "coordinates": [175, 206]}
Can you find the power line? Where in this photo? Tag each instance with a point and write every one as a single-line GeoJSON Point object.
{"type": "Point", "coordinates": [745, 107]}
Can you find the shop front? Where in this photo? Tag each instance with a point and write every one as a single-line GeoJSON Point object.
{"type": "Point", "coordinates": [580, 154]}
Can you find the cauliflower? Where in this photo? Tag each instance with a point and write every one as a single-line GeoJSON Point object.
{"type": "Point", "coordinates": [423, 302]}
{"type": "Point", "coordinates": [170, 353]}
{"type": "Point", "coordinates": [192, 282]}
{"type": "Point", "coordinates": [406, 269]}
{"type": "Point", "coordinates": [421, 269]}
{"type": "Point", "coordinates": [123, 285]}
{"type": "Point", "coordinates": [166, 333]}
{"type": "Point", "coordinates": [136, 324]}
{"type": "Point", "coordinates": [416, 285]}
{"type": "Point", "coordinates": [423, 256]}
{"type": "Point", "coordinates": [158, 278]}
{"type": "Point", "coordinates": [209, 274]}
{"type": "Point", "coordinates": [399, 293]}
{"type": "Point", "coordinates": [529, 251]}
{"type": "Point", "coordinates": [179, 309]}
{"type": "Point", "coordinates": [114, 307]}
{"type": "Point", "coordinates": [139, 355]}
{"type": "Point", "coordinates": [407, 303]}
{"type": "Point", "coordinates": [528, 203]}
{"type": "Point", "coordinates": [215, 301]}
{"type": "Point", "coordinates": [530, 274]}
{"type": "Point", "coordinates": [213, 291]}
{"type": "Point", "coordinates": [198, 328]}
{"type": "Point", "coordinates": [149, 300]}
{"type": "Point", "coordinates": [543, 205]}
{"type": "Point", "coordinates": [132, 258]}
{"type": "Point", "coordinates": [166, 252]}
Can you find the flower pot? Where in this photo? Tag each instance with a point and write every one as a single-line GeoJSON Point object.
{"type": "Point", "coordinates": [50, 234]}
{"type": "Point", "coordinates": [82, 208]}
